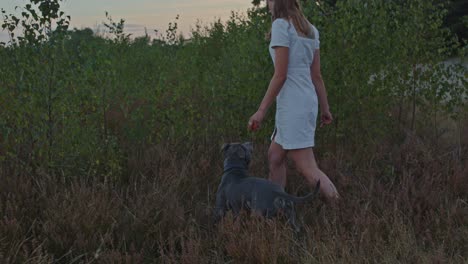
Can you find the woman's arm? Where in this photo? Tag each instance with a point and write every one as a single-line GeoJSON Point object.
{"type": "Point", "coordinates": [316, 75]}
{"type": "Point", "coordinates": [276, 83]}
{"type": "Point", "coordinates": [278, 79]}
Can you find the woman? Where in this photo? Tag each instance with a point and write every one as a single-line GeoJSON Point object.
{"type": "Point", "coordinates": [298, 87]}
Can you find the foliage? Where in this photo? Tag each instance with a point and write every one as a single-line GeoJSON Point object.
{"type": "Point", "coordinates": [70, 93]}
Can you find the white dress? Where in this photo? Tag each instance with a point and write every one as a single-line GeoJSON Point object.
{"type": "Point", "coordinates": [297, 103]}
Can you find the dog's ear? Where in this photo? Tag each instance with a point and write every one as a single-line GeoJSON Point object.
{"type": "Point", "coordinates": [241, 152]}
{"type": "Point", "coordinates": [225, 147]}
{"type": "Point", "coordinates": [248, 146]}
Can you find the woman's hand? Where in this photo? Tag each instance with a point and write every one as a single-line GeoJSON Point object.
{"type": "Point", "coordinates": [325, 118]}
{"type": "Point", "coordinates": [255, 121]}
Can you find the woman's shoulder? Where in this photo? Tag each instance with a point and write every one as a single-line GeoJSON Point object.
{"type": "Point", "coordinates": [281, 25]}
{"type": "Point", "coordinates": [281, 22]}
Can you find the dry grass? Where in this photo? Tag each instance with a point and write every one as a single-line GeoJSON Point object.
{"type": "Point", "coordinates": [404, 201]}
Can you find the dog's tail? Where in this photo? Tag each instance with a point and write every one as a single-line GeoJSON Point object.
{"type": "Point", "coordinates": [302, 199]}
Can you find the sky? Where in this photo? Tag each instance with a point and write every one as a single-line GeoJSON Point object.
{"type": "Point", "coordinates": [138, 14]}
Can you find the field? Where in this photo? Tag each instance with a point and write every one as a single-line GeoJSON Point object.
{"type": "Point", "coordinates": [110, 146]}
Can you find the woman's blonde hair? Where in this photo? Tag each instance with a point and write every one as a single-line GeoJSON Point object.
{"type": "Point", "coordinates": [291, 9]}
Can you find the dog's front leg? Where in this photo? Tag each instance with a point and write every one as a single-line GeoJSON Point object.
{"type": "Point", "coordinates": [220, 207]}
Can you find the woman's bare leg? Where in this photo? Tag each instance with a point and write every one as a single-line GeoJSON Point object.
{"type": "Point", "coordinates": [304, 160]}
{"type": "Point", "coordinates": [277, 164]}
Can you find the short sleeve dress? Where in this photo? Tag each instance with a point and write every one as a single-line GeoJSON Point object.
{"type": "Point", "coordinates": [296, 103]}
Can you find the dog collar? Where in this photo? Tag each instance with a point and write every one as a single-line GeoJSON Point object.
{"type": "Point", "coordinates": [234, 167]}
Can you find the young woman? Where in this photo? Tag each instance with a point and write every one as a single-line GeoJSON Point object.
{"type": "Point", "coordinates": [299, 89]}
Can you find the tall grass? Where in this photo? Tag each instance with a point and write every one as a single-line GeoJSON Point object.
{"type": "Point", "coordinates": [110, 147]}
{"type": "Point", "coordinates": [404, 204]}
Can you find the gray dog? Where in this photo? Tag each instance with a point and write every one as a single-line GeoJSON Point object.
{"type": "Point", "coordinates": [238, 190]}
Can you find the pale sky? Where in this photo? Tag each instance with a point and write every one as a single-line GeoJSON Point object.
{"type": "Point", "coordinates": [138, 14]}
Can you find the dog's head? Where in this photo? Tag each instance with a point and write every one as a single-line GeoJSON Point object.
{"type": "Point", "coordinates": [238, 152]}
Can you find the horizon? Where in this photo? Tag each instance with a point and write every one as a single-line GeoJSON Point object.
{"type": "Point", "coordinates": [141, 14]}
